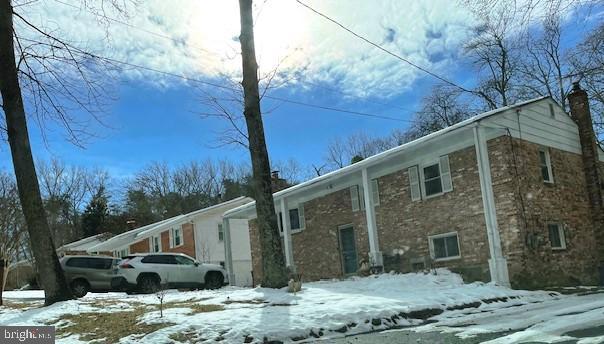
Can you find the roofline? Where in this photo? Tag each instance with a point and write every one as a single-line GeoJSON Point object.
{"type": "Point", "coordinates": [82, 241]}
{"type": "Point", "coordinates": [385, 154]}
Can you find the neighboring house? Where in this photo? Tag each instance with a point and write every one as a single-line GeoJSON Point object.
{"type": "Point", "coordinates": [81, 246]}
{"type": "Point", "coordinates": [198, 234]}
{"type": "Point", "coordinates": [511, 195]}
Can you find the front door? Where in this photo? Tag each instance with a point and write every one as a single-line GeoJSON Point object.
{"type": "Point", "coordinates": [348, 249]}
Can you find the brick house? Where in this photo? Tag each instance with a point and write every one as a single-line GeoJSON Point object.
{"type": "Point", "coordinates": [198, 234]}
{"type": "Point", "coordinates": [513, 195]}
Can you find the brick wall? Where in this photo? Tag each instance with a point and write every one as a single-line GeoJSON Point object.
{"type": "Point", "coordinates": [188, 246]}
{"type": "Point", "coordinates": [406, 225]}
{"type": "Point", "coordinates": [525, 205]}
{"type": "Point", "coordinates": [140, 246]}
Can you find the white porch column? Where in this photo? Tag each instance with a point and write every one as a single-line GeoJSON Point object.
{"type": "Point", "coordinates": [374, 246]}
{"type": "Point", "coordinates": [228, 253]}
{"type": "Point", "coordinates": [497, 264]}
{"type": "Point", "coordinates": [287, 235]}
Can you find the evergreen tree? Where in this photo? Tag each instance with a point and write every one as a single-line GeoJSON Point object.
{"type": "Point", "coordinates": [95, 214]}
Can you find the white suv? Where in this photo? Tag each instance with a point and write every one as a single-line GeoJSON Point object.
{"type": "Point", "coordinates": [148, 273]}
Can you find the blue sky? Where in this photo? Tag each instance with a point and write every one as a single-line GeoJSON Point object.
{"type": "Point", "coordinates": [157, 118]}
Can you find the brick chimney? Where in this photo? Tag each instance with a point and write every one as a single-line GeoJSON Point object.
{"type": "Point", "coordinates": [579, 110]}
{"type": "Point", "coordinates": [131, 224]}
{"type": "Point", "coordinates": [277, 183]}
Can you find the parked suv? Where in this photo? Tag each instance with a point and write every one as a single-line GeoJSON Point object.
{"type": "Point", "coordinates": [147, 273]}
{"type": "Point", "coordinates": [89, 273]}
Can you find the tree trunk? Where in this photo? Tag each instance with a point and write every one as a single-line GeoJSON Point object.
{"type": "Point", "coordinates": [273, 260]}
{"type": "Point", "coordinates": [48, 267]}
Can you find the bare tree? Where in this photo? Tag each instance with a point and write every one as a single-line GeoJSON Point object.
{"type": "Point", "coordinates": [273, 260]}
{"type": "Point", "coordinates": [12, 228]}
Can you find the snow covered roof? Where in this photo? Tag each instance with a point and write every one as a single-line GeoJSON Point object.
{"type": "Point", "coordinates": [86, 243]}
{"type": "Point", "coordinates": [137, 234]}
{"type": "Point", "coordinates": [372, 160]}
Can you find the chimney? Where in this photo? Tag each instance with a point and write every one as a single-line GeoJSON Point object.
{"type": "Point", "coordinates": [579, 110]}
{"type": "Point", "coordinates": [277, 183]}
{"type": "Point", "coordinates": [131, 224]}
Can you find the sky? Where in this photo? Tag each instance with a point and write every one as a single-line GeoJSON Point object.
{"type": "Point", "coordinates": [155, 117]}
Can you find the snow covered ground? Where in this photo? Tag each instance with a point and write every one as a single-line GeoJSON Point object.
{"type": "Point", "coordinates": [322, 309]}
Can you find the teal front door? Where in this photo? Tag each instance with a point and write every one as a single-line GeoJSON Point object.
{"type": "Point", "coordinates": [348, 249]}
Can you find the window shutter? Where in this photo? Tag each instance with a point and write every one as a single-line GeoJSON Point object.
{"type": "Point", "coordinates": [361, 198]}
{"type": "Point", "coordinates": [414, 183]}
{"type": "Point", "coordinates": [375, 192]}
{"type": "Point", "coordinates": [301, 215]}
{"type": "Point", "coordinates": [445, 174]}
{"type": "Point", "coordinates": [354, 197]}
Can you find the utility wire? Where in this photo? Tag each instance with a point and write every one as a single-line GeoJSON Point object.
{"type": "Point", "coordinates": [215, 85]}
{"type": "Point", "coordinates": [213, 53]}
{"type": "Point", "coordinates": [425, 70]}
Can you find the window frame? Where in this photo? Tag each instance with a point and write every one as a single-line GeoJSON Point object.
{"type": "Point", "coordinates": [220, 232]}
{"type": "Point", "coordinates": [422, 177]}
{"type": "Point", "coordinates": [173, 231]}
{"type": "Point", "coordinates": [301, 220]}
{"type": "Point", "coordinates": [561, 235]}
{"type": "Point", "coordinates": [439, 236]}
{"type": "Point", "coordinates": [548, 165]}
{"type": "Point", "coordinates": [152, 243]}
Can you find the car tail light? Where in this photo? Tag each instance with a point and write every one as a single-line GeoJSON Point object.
{"type": "Point", "coordinates": [126, 266]}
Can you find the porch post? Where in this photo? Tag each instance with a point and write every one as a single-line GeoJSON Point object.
{"type": "Point", "coordinates": [228, 253]}
{"type": "Point", "coordinates": [498, 266]}
{"type": "Point", "coordinates": [287, 235]}
{"type": "Point", "coordinates": [376, 259]}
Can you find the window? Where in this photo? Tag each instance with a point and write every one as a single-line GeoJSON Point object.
{"type": "Point", "coordinates": [354, 198]}
{"type": "Point", "coordinates": [546, 165]}
{"type": "Point", "coordinates": [435, 179]}
{"type": "Point", "coordinates": [155, 244]}
{"type": "Point", "coordinates": [444, 246]}
{"type": "Point", "coordinates": [556, 236]}
{"type": "Point", "coordinates": [159, 259]}
{"type": "Point", "coordinates": [551, 110]}
{"type": "Point", "coordinates": [296, 219]}
{"type": "Point", "coordinates": [375, 192]}
{"type": "Point", "coordinates": [176, 237]}
{"type": "Point", "coordinates": [184, 260]}
{"type": "Point", "coordinates": [220, 232]}
{"type": "Point", "coordinates": [121, 253]}
{"type": "Point", "coordinates": [90, 263]}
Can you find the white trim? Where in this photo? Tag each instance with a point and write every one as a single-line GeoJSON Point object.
{"type": "Point", "coordinates": [355, 197]}
{"type": "Point", "coordinates": [375, 255]}
{"type": "Point", "coordinates": [561, 234]}
{"type": "Point", "coordinates": [172, 238]}
{"type": "Point", "coordinates": [375, 192]}
{"type": "Point", "coordinates": [548, 164]}
{"type": "Point", "coordinates": [287, 235]}
{"type": "Point", "coordinates": [220, 228]}
{"type": "Point", "coordinates": [443, 235]}
{"type": "Point", "coordinates": [422, 178]}
{"type": "Point", "coordinates": [152, 243]}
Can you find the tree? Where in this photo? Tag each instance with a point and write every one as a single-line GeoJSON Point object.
{"type": "Point", "coordinates": [47, 263]}
{"type": "Point", "coordinates": [273, 260]}
{"type": "Point", "coordinates": [12, 229]}
{"type": "Point", "coordinates": [96, 213]}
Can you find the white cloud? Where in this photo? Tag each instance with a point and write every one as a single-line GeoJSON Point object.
{"type": "Point", "coordinates": [287, 34]}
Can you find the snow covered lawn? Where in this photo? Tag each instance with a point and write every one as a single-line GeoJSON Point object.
{"type": "Point", "coordinates": [236, 315]}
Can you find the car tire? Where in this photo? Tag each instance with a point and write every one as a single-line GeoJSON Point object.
{"type": "Point", "coordinates": [79, 288]}
{"type": "Point", "coordinates": [148, 284]}
{"type": "Point", "coordinates": [214, 280]}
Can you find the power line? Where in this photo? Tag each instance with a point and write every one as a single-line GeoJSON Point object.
{"type": "Point", "coordinates": [160, 35]}
{"type": "Point", "coordinates": [215, 85]}
{"type": "Point", "coordinates": [384, 49]}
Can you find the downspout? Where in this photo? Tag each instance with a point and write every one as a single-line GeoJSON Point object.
{"type": "Point", "coordinates": [497, 263]}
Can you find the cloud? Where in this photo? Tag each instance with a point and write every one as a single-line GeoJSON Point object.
{"type": "Point", "coordinates": [288, 35]}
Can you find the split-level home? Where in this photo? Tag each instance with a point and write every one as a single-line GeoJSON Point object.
{"type": "Point", "coordinates": [198, 234]}
{"type": "Point", "coordinates": [512, 195]}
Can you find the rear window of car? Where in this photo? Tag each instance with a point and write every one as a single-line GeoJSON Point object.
{"type": "Point", "coordinates": [160, 259]}
{"type": "Point", "coordinates": [90, 263]}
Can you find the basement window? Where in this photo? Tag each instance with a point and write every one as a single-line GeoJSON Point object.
{"type": "Point", "coordinates": [545, 164]}
{"type": "Point", "coordinates": [444, 246]}
{"type": "Point", "coordinates": [556, 236]}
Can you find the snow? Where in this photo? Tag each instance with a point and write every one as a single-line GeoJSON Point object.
{"type": "Point", "coordinates": [354, 305]}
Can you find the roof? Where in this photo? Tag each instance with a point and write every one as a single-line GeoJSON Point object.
{"type": "Point", "coordinates": [86, 243]}
{"type": "Point", "coordinates": [372, 160]}
{"type": "Point", "coordinates": [137, 234]}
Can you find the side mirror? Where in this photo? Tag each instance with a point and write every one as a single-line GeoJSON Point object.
{"type": "Point", "coordinates": [196, 264]}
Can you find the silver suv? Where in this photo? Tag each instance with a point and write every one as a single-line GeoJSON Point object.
{"type": "Point", "coordinates": [89, 273]}
{"type": "Point", "coordinates": [148, 273]}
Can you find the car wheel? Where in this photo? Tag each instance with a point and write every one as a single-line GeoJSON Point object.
{"type": "Point", "coordinates": [79, 288]}
{"type": "Point", "coordinates": [148, 284]}
{"type": "Point", "coordinates": [214, 280]}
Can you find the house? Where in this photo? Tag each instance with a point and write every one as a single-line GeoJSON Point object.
{"type": "Point", "coordinates": [198, 234]}
{"type": "Point", "coordinates": [81, 246]}
{"type": "Point", "coordinates": [512, 195]}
